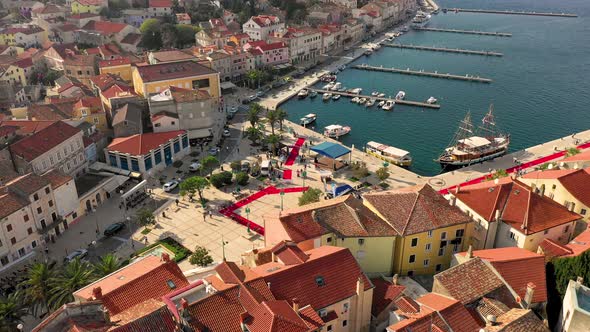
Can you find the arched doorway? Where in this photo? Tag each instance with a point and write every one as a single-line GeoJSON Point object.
{"type": "Point", "coordinates": [88, 205]}
{"type": "Point", "coordinates": [98, 200]}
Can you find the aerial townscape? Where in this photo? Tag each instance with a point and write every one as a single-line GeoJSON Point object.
{"type": "Point", "coordinates": [294, 166]}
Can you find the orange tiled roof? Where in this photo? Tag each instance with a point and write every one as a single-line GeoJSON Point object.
{"type": "Point", "coordinates": [26, 127]}
{"type": "Point", "coordinates": [518, 320]}
{"type": "Point", "coordinates": [168, 71]}
{"type": "Point", "coordinates": [105, 27]}
{"type": "Point", "coordinates": [575, 247]}
{"type": "Point", "coordinates": [575, 181]}
{"type": "Point", "coordinates": [140, 144]}
{"type": "Point", "coordinates": [520, 207]}
{"type": "Point", "coordinates": [160, 3]}
{"type": "Point", "coordinates": [56, 178]}
{"type": "Point", "coordinates": [37, 144]}
{"type": "Point", "coordinates": [518, 267]}
{"type": "Point", "coordinates": [384, 294]}
{"type": "Point", "coordinates": [416, 209]}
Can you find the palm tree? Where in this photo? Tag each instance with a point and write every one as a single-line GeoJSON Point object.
{"type": "Point", "coordinates": [75, 275]}
{"type": "Point", "coordinates": [254, 113]}
{"type": "Point", "coordinates": [107, 264]}
{"type": "Point", "coordinates": [37, 288]}
{"type": "Point", "coordinates": [273, 117]}
{"type": "Point", "coordinates": [273, 140]}
{"type": "Point", "coordinates": [253, 134]}
{"type": "Point", "coordinates": [12, 309]}
{"type": "Point", "coordinates": [281, 116]}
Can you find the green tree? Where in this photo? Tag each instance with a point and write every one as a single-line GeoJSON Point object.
{"type": "Point", "coordinates": [281, 117]}
{"type": "Point", "coordinates": [360, 170]}
{"type": "Point", "coordinates": [195, 184]}
{"type": "Point", "coordinates": [382, 174]}
{"type": "Point", "coordinates": [36, 287]}
{"type": "Point", "coordinates": [312, 195]}
{"type": "Point", "coordinates": [242, 178]}
{"type": "Point", "coordinates": [235, 166]}
{"type": "Point", "coordinates": [151, 36]}
{"type": "Point", "coordinates": [107, 264]}
{"type": "Point", "coordinates": [501, 173]}
{"type": "Point", "coordinates": [217, 180]}
{"type": "Point", "coordinates": [209, 163]}
{"type": "Point", "coordinates": [176, 7]}
{"type": "Point", "coordinates": [200, 257]}
{"type": "Point", "coordinates": [169, 35]}
{"type": "Point", "coordinates": [186, 35]}
{"type": "Point", "coordinates": [73, 276]}
{"type": "Point", "coordinates": [145, 217]}
{"type": "Point", "coordinates": [572, 152]}
{"type": "Point", "coordinates": [12, 310]}
{"type": "Point", "coordinates": [254, 134]}
{"type": "Point", "coordinates": [253, 77]}
{"type": "Point", "coordinates": [274, 141]}
{"type": "Point", "coordinates": [254, 114]}
{"type": "Point", "coordinates": [273, 118]}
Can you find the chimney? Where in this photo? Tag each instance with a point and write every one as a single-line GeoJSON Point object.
{"type": "Point", "coordinates": [165, 257]}
{"type": "Point", "coordinates": [528, 296]}
{"type": "Point", "coordinates": [295, 304]}
{"type": "Point", "coordinates": [579, 282]}
{"type": "Point", "coordinates": [183, 304]}
{"type": "Point", "coordinates": [394, 279]}
{"type": "Point", "coordinates": [470, 252]}
{"type": "Point", "coordinates": [244, 317]}
{"type": "Point", "coordinates": [458, 189]}
{"type": "Point", "coordinates": [97, 293]}
{"type": "Point", "coordinates": [533, 188]}
{"type": "Point", "coordinates": [492, 321]}
{"type": "Point", "coordinates": [497, 215]}
{"type": "Point", "coordinates": [453, 201]}
{"type": "Point", "coordinates": [360, 285]}
{"type": "Point", "coordinates": [106, 315]}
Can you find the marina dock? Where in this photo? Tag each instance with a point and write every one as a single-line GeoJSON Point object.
{"type": "Point", "coordinates": [468, 32]}
{"type": "Point", "coordinates": [408, 71]}
{"type": "Point", "coordinates": [442, 49]}
{"type": "Point", "coordinates": [509, 12]}
{"type": "Point", "coordinates": [400, 102]}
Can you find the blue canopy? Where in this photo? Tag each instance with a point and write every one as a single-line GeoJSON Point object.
{"type": "Point", "coordinates": [341, 190]}
{"type": "Point", "coordinates": [330, 150]}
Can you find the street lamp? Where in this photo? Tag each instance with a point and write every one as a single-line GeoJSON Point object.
{"type": "Point", "coordinates": [282, 193]}
{"type": "Point", "coordinates": [248, 217]}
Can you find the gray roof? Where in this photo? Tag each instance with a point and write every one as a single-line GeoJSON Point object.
{"type": "Point", "coordinates": [128, 112]}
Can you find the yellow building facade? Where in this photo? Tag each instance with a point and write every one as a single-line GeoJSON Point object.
{"type": "Point", "coordinates": [123, 70]}
{"type": "Point", "coordinates": [14, 75]}
{"type": "Point", "coordinates": [81, 8]}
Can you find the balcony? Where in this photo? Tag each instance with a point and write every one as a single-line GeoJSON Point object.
{"type": "Point", "coordinates": [50, 226]}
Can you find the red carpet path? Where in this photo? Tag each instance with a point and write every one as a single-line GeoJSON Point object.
{"type": "Point", "coordinates": [510, 170]}
{"type": "Point", "coordinates": [287, 174]}
{"type": "Point", "coordinates": [229, 211]}
{"type": "Point", "coordinates": [294, 152]}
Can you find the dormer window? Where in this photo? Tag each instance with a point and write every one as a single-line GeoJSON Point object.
{"type": "Point", "coordinates": [171, 284]}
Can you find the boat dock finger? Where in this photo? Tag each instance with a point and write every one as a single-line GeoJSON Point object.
{"type": "Point", "coordinates": [399, 102]}
{"type": "Point", "coordinates": [442, 49]}
{"type": "Point", "coordinates": [408, 71]}
{"type": "Point", "coordinates": [508, 12]}
{"type": "Point", "coordinates": [468, 32]}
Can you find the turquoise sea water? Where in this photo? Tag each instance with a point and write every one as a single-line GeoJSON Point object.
{"type": "Point", "coordinates": [541, 88]}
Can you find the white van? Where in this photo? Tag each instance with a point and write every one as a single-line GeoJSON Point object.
{"type": "Point", "coordinates": [265, 167]}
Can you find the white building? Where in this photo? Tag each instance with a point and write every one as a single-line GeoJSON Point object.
{"type": "Point", "coordinates": [262, 26]}
{"type": "Point", "coordinates": [575, 311]}
{"type": "Point", "coordinates": [305, 44]}
{"type": "Point", "coordinates": [159, 8]}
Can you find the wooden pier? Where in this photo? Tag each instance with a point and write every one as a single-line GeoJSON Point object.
{"type": "Point", "coordinates": [442, 49]}
{"type": "Point", "coordinates": [400, 102]}
{"type": "Point", "coordinates": [509, 12]}
{"type": "Point", "coordinates": [469, 32]}
{"type": "Point", "coordinates": [408, 71]}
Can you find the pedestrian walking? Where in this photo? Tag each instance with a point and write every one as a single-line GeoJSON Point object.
{"type": "Point", "coordinates": [238, 149]}
{"type": "Point", "coordinates": [163, 214]}
{"type": "Point", "coordinates": [46, 250]}
{"type": "Point", "coordinates": [204, 217]}
{"type": "Point", "coordinates": [210, 214]}
{"type": "Point", "coordinates": [177, 202]}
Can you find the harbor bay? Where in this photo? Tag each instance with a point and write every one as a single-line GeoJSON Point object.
{"type": "Point", "coordinates": [539, 88]}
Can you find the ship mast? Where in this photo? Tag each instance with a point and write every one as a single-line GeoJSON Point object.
{"type": "Point", "coordinates": [465, 130]}
{"type": "Point", "coordinates": [488, 125]}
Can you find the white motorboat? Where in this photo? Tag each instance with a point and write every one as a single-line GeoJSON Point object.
{"type": "Point", "coordinates": [420, 20]}
{"type": "Point", "coordinates": [328, 86]}
{"type": "Point", "coordinates": [368, 52]}
{"type": "Point", "coordinates": [381, 95]}
{"type": "Point", "coordinates": [304, 121]}
{"type": "Point", "coordinates": [431, 100]}
{"type": "Point", "coordinates": [356, 91]}
{"type": "Point", "coordinates": [303, 93]}
{"type": "Point", "coordinates": [400, 95]}
{"type": "Point", "coordinates": [374, 93]}
{"type": "Point", "coordinates": [370, 102]}
{"type": "Point", "coordinates": [336, 97]}
{"type": "Point", "coordinates": [336, 131]}
{"type": "Point", "coordinates": [313, 94]}
{"type": "Point", "coordinates": [336, 86]}
{"type": "Point", "coordinates": [381, 103]}
{"type": "Point", "coordinates": [355, 100]}
{"type": "Point", "coordinates": [388, 106]}
{"type": "Point", "coordinates": [362, 101]}
{"type": "Point", "coordinates": [327, 96]}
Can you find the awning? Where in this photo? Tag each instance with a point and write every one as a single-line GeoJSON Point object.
{"type": "Point", "coordinates": [139, 186]}
{"type": "Point", "coordinates": [331, 150]}
{"type": "Point", "coordinates": [115, 182]}
{"type": "Point", "coordinates": [199, 133]}
{"type": "Point", "coordinates": [227, 85]}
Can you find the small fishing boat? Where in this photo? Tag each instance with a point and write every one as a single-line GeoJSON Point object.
{"type": "Point", "coordinates": [400, 95]}
{"type": "Point", "coordinates": [336, 131]}
{"type": "Point", "coordinates": [381, 95]}
{"type": "Point", "coordinates": [374, 93]}
{"type": "Point", "coordinates": [362, 101]}
{"type": "Point", "coordinates": [431, 100]}
{"type": "Point", "coordinates": [370, 102]}
{"type": "Point", "coordinates": [304, 121]}
{"type": "Point", "coordinates": [356, 91]}
{"type": "Point", "coordinates": [389, 153]}
{"type": "Point", "coordinates": [342, 89]}
{"type": "Point", "coordinates": [328, 78]}
{"type": "Point", "coordinates": [368, 52]}
{"type": "Point", "coordinates": [327, 96]}
{"type": "Point", "coordinates": [381, 103]}
{"type": "Point", "coordinates": [313, 94]}
{"type": "Point", "coordinates": [302, 93]}
{"type": "Point", "coordinates": [328, 86]}
{"type": "Point", "coordinates": [336, 97]}
{"type": "Point", "coordinates": [388, 105]}
{"type": "Point", "coordinates": [336, 86]}
{"type": "Point", "coordinates": [355, 100]}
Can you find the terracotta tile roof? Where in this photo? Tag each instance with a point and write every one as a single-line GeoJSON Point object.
{"type": "Point", "coordinates": [135, 283]}
{"type": "Point", "coordinates": [131, 39]}
{"type": "Point", "coordinates": [407, 305]}
{"type": "Point", "coordinates": [35, 145]}
{"type": "Point", "coordinates": [276, 316]}
{"type": "Point", "coordinates": [518, 267]}
{"type": "Point", "coordinates": [114, 62]}
{"type": "Point", "coordinates": [28, 30]}
{"type": "Point", "coordinates": [416, 209]}
{"type": "Point", "coordinates": [141, 144]}
{"type": "Point", "coordinates": [160, 320]}
{"type": "Point", "coordinates": [90, 2]}
{"type": "Point", "coordinates": [469, 281]}
{"type": "Point", "coordinates": [26, 127]}
{"type": "Point", "coordinates": [118, 90]}
{"type": "Point", "coordinates": [553, 249]}
{"type": "Point", "coordinates": [67, 27]}
{"type": "Point", "coordinates": [56, 178]}
{"type": "Point", "coordinates": [437, 313]}
{"type": "Point", "coordinates": [489, 306]}
{"type": "Point", "coordinates": [576, 182]}
{"type": "Point", "coordinates": [10, 203]}
{"type": "Point", "coordinates": [24, 63]}
{"type": "Point", "coordinates": [75, 317]}
{"type": "Point", "coordinates": [175, 70]}
{"type": "Point", "coordinates": [53, 111]}
{"type": "Point", "coordinates": [160, 3]}
{"type": "Point", "coordinates": [575, 247]}
{"type": "Point", "coordinates": [265, 20]}
{"type": "Point", "coordinates": [105, 81]}
{"type": "Point", "coordinates": [518, 320]}
{"type": "Point", "coordinates": [311, 317]}
{"type": "Point", "coordinates": [80, 60]}
{"type": "Point", "coordinates": [105, 27]}
{"type": "Point", "coordinates": [384, 294]}
{"type": "Point", "coordinates": [522, 209]}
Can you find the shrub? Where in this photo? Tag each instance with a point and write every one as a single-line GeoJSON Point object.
{"type": "Point", "coordinates": [227, 177]}
{"type": "Point", "coordinates": [360, 170]}
{"type": "Point", "coordinates": [312, 195]}
{"type": "Point", "coordinates": [382, 174]}
{"type": "Point", "coordinates": [235, 165]}
{"type": "Point", "coordinates": [242, 178]}
{"type": "Point", "coordinates": [217, 180]}
{"type": "Point", "coordinates": [200, 257]}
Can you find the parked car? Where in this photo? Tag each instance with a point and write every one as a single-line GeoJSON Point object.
{"type": "Point", "coordinates": [253, 97]}
{"type": "Point", "coordinates": [194, 167]}
{"type": "Point", "coordinates": [226, 133]}
{"type": "Point", "coordinates": [78, 253]}
{"type": "Point", "coordinates": [169, 186]}
{"type": "Point", "coordinates": [245, 167]}
{"type": "Point", "coordinates": [114, 228]}
{"type": "Point", "coordinates": [213, 151]}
